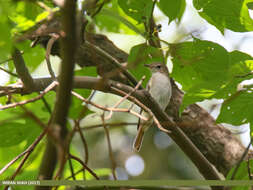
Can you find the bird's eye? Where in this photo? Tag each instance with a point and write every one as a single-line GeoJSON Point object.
{"type": "Point", "coordinates": [158, 66]}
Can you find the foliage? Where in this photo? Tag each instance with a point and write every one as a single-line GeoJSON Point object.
{"type": "Point", "coordinates": [205, 70]}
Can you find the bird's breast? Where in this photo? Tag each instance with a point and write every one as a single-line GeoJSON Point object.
{"type": "Point", "coordinates": [160, 89]}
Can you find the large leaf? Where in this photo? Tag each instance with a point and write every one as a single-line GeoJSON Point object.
{"type": "Point", "coordinates": [233, 15]}
{"type": "Point", "coordinates": [33, 56]}
{"type": "Point", "coordinates": [173, 9]}
{"type": "Point", "coordinates": [241, 174]}
{"type": "Point", "coordinates": [118, 22]}
{"type": "Point", "coordinates": [206, 70]}
{"type": "Point", "coordinates": [5, 34]}
{"type": "Point", "coordinates": [24, 17]}
{"type": "Point", "coordinates": [144, 54]}
{"type": "Point", "coordinates": [140, 10]}
{"type": "Point", "coordinates": [237, 109]}
{"type": "Point", "coordinates": [12, 133]}
{"type": "Point", "coordinates": [107, 22]}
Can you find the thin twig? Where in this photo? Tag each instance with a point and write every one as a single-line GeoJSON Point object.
{"type": "Point", "coordinates": [77, 126]}
{"type": "Point", "coordinates": [46, 105]}
{"type": "Point", "coordinates": [71, 169]}
{"type": "Point", "coordinates": [245, 75]}
{"type": "Point", "coordinates": [26, 152]}
{"type": "Point", "coordinates": [74, 174]}
{"type": "Point", "coordinates": [145, 108]}
{"type": "Point", "coordinates": [84, 166]}
{"type": "Point", "coordinates": [9, 59]}
{"type": "Point", "coordinates": [50, 87]}
{"type": "Point", "coordinates": [115, 62]}
{"type": "Point", "coordinates": [240, 161]}
{"type": "Point", "coordinates": [108, 124]}
{"type": "Point", "coordinates": [249, 169]}
{"type": "Point", "coordinates": [107, 134]}
{"type": "Point", "coordinates": [125, 97]}
{"type": "Point", "coordinates": [50, 44]}
{"type": "Point", "coordinates": [12, 161]}
{"type": "Point", "coordinates": [109, 109]}
{"type": "Point", "coordinates": [62, 153]}
{"type": "Point", "coordinates": [9, 72]}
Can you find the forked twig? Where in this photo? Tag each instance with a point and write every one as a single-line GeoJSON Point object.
{"type": "Point", "coordinates": [125, 97]}
{"type": "Point", "coordinates": [49, 88]}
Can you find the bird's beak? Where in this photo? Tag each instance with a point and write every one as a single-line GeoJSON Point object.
{"type": "Point", "coordinates": [147, 65]}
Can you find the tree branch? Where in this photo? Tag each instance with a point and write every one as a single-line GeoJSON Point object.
{"type": "Point", "coordinates": [63, 97]}
{"type": "Point", "coordinates": [21, 69]}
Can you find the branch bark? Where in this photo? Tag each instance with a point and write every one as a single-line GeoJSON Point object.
{"type": "Point", "coordinates": [63, 96]}
{"type": "Point", "coordinates": [22, 70]}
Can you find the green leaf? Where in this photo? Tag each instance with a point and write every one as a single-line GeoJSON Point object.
{"type": "Point", "coordinates": [143, 54]}
{"type": "Point", "coordinates": [140, 10]}
{"type": "Point", "coordinates": [199, 61]}
{"type": "Point", "coordinates": [33, 56]}
{"type": "Point", "coordinates": [99, 172]}
{"type": "Point", "coordinates": [122, 22]}
{"type": "Point", "coordinates": [241, 174]}
{"type": "Point", "coordinates": [233, 15]}
{"type": "Point", "coordinates": [206, 70]}
{"type": "Point", "coordinates": [250, 5]}
{"type": "Point", "coordinates": [24, 16]}
{"type": "Point", "coordinates": [5, 34]}
{"type": "Point", "coordinates": [237, 109]}
{"type": "Point", "coordinates": [12, 133]}
{"type": "Point", "coordinates": [173, 9]}
{"type": "Point", "coordinates": [105, 21]}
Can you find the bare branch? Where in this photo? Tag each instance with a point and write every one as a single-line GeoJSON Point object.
{"type": "Point", "coordinates": [49, 88]}
{"type": "Point", "coordinates": [109, 109]}
{"type": "Point", "coordinates": [27, 153]}
{"type": "Point", "coordinates": [85, 145]}
{"type": "Point", "coordinates": [22, 70]}
{"type": "Point", "coordinates": [84, 166]}
{"type": "Point", "coordinates": [240, 161]}
{"type": "Point", "coordinates": [125, 97]}
{"type": "Point", "coordinates": [63, 96]}
{"type": "Point", "coordinates": [10, 73]}
{"type": "Point", "coordinates": [48, 52]}
{"type": "Point", "coordinates": [108, 124]}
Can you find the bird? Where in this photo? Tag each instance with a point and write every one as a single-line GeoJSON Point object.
{"type": "Point", "coordinates": [159, 87]}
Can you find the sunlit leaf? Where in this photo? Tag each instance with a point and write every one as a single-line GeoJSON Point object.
{"type": "Point", "coordinates": [237, 109]}
{"type": "Point", "coordinates": [12, 133]}
{"type": "Point", "coordinates": [241, 174]}
{"type": "Point", "coordinates": [143, 54]}
{"type": "Point", "coordinates": [5, 29]}
{"type": "Point", "coordinates": [233, 15]}
{"type": "Point", "coordinates": [172, 9]}
{"type": "Point", "coordinates": [140, 10]}
{"type": "Point", "coordinates": [206, 70]}
{"type": "Point", "coordinates": [99, 172]}
{"type": "Point", "coordinates": [33, 56]}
